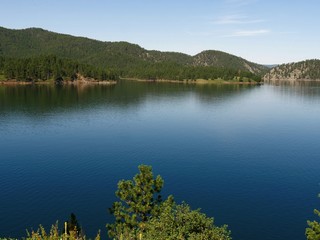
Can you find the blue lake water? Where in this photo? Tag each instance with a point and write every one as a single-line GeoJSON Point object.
{"type": "Point", "coordinates": [249, 156]}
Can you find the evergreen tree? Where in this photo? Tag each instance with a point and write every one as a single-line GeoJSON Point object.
{"type": "Point", "coordinates": [140, 200]}
{"type": "Point", "coordinates": [313, 231]}
{"type": "Point", "coordinates": [73, 225]}
{"type": "Point", "coordinates": [142, 215]}
{"type": "Point", "coordinates": [180, 222]}
{"type": "Point", "coordinates": [50, 67]}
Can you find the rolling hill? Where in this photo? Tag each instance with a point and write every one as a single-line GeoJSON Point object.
{"type": "Point", "coordinates": [130, 60]}
{"type": "Point", "coordinates": [308, 70]}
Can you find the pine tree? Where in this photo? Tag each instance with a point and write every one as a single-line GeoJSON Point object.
{"type": "Point", "coordinates": [73, 225]}
{"type": "Point", "coordinates": [140, 200]}
{"type": "Point", "coordinates": [313, 231]}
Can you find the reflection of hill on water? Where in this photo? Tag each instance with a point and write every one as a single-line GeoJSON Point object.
{"type": "Point", "coordinates": [305, 90]}
{"type": "Point", "coordinates": [32, 99]}
{"type": "Point", "coordinates": [220, 93]}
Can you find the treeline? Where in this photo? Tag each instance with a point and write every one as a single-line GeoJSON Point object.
{"type": "Point", "coordinates": [50, 67]}
{"type": "Point", "coordinates": [126, 59]}
{"type": "Point", "coordinates": [173, 71]}
{"type": "Point", "coordinates": [53, 68]}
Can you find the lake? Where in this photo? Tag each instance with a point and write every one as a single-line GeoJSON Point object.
{"type": "Point", "coordinates": [249, 156]}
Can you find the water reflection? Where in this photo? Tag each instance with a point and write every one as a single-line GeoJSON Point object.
{"type": "Point", "coordinates": [46, 98]}
{"type": "Point", "coordinates": [304, 90]}
{"type": "Point", "coordinates": [244, 152]}
{"type": "Point", "coordinates": [210, 93]}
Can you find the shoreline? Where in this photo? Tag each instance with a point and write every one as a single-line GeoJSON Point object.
{"type": "Point", "coordinates": [112, 82]}
{"type": "Point", "coordinates": [291, 80]}
{"type": "Point", "coordinates": [197, 81]}
{"type": "Point", "coordinates": [50, 82]}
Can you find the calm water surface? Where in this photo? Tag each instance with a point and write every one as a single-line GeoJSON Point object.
{"type": "Point", "coordinates": [247, 155]}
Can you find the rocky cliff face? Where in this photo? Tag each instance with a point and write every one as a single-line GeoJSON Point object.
{"type": "Point", "coordinates": [308, 70]}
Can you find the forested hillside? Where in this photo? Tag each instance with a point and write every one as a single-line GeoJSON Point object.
{"type": "Point", "coordinates": [50, 67]}
{"type": "Point", "coordinates": [128, 60]}
{"type": "Point", "coordinates": [305, 70]}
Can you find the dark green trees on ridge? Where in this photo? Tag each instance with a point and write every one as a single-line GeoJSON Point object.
{"type": "Point", "coordinates": [50, 67]}
{"type": "Point", "coordinates": [126, 59]}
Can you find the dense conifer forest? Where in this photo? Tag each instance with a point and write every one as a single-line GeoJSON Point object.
{"type": "Point", "coordinates": [50, 67]}
{"type": "Point", "coordinates": [22, 50]}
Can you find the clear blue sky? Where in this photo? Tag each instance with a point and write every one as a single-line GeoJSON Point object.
{"type": "Point", "coordinates": [266, 32]}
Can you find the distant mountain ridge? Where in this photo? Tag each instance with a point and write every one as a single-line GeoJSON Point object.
{"type": "Point", "coordinates": [123, 56]}
{"type": "Point", "coordinates": [308, 70]}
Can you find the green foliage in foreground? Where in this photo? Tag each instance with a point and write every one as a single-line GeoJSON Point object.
{"type": "Point", "coordinates": [180, 222]}
{"type": "Point", "coordinates": [313, 231]}
{"type": "Point", "coordinates": [140, 201]}
{"type": "Point", "coordinates": [140, 213]}
{"type": "Point", "coordinates": [55, 234]}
